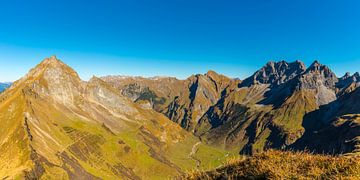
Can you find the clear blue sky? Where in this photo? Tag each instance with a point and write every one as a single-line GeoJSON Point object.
{"type": "Point", "coordinates": [177, 37]}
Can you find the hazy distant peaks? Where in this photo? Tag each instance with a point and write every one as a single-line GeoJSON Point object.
{"type": "Point", "coordinates": [4, 86]}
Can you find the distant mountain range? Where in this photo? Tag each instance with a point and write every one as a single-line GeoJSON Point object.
{"type": "Point", "coordinates": [4, 86]}
{"type": "Point", "coordinates": [54, 125]}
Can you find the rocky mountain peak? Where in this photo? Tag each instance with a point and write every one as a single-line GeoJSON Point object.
{"type": "Point", "coordinates": [357, 75]}
{"type": "Point", "coordinates": [299, 64]}
{"type": "Point", "coordinates": [348, 82]}
{"type": "Point", "coordinates": [318, 68]}
{"type": "Point", "coordinates": [315, 66]}
{"type": "Point", "coordinates": [320, 78]}
{"type": "Point", "coordinates": [51, 60]}
{"type": "Point", "coordinates": [321, 73]}
{"type": "Point", "coordinates": [94, 79]}
{"type": "Point", "coordinates": [55, 79]}
{"type": "Point", "coordinates": [347, 75]}
{"type": "Point", "coordinates": [316, 63]}
{"type": "Point", "coordinates": [211, 73]}
{"type": "Point", "coordinates": [53, 68]}
{"type": "Point", "coordinates": [275, 73]}
{"type": "Point", "coordinates": [214, 76]}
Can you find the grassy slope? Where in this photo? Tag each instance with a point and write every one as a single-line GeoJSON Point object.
{"type": "Point", "coordinates": [291, 113]}
{"type": "Point", "coordinates": [13, 139]}
{"type": "Point", "coordinates": [258, 127]}
{"type": "Point", "coordinates": [162, 152]}
{"type": "Point", "coordinates": [285, 165]}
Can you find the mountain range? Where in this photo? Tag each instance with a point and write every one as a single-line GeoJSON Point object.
{"type": "Point", "coordinates": [282, 105]}
{"type": "Point", "coordinates": [55, 125]}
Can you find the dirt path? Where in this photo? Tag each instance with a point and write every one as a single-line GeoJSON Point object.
{"type": "Point", "coordinates": [192, 153]}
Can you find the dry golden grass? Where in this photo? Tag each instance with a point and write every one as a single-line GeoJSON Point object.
{"type": "Point", "coordinates": [285, 165]}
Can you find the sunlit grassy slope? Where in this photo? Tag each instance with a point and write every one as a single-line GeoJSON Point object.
{"type": "Point", "coordinates": [284, 165]}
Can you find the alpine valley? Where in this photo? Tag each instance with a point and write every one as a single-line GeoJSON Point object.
{"type": "Point", "coordinates": [53, 125]}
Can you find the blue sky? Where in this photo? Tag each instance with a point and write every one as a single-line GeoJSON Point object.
{"type": "Point", "coordinates": [177, 37]}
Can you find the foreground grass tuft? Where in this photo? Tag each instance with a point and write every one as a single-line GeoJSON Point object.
{"type": "Point", "coordinates": [285, 165]}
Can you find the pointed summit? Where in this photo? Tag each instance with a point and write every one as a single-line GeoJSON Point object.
{"type": "Point", "coordinates": [211, 72]}
{"type": "Point", "coordinates": [52, 66]}
{"type": "Point", "coordinates": [54, 78]}
{"type": "Point", "coordinates": [214, 75]}
{"type": "Point", "coordinates": [315, 63]}
{"type": "Point", "coordinates": [357, 75]}
{"type": "Point", "coordinates": [317, 68]}
{"type": "Point", "coordinates": [347, 75]}
{"type": "Point", "coordinates": [320, 78]}
{"type": "Point", "coordinates": [300, 64]}
{"type": "Point", "coordinates": [52, 60]}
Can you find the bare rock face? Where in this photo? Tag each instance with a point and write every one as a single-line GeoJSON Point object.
{"type": "Point", "coordinates": [322, 80]}
{"type": "Point", "coordinates": [275, 73]}
{"type": "Point", "coordinates": [62, 83]}
{"type": "Point", "coordinates": [317, 75]}
{"type": "Point", "coordinates": [54, 78]}
{"type": "Point", "coordinates": [100, 92]}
